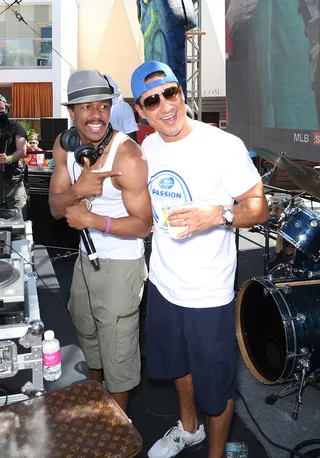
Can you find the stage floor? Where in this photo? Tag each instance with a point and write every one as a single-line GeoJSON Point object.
{"type": "Point", "coordinates": [153, 406]}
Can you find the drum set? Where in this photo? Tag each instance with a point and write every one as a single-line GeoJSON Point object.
{"type": "Point", "coordinates": [278, 315]}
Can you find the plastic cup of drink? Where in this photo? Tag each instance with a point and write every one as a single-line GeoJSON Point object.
{"type": "Point", "coordinates": [174, 231]}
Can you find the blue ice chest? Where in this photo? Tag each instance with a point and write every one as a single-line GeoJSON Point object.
{"type": "Point", "coordinates": [236, 450]}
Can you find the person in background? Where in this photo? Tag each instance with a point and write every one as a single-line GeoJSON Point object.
{"type": "Point", "coordinates": [196, 173]}
{"type": "Point", "coordinates": [108, 197]}
{"type": "Point", "coordinates": [122, 116]}
{"type": "Point", "coordinates": [36, 159]}
{"type": "Point", "coordinates": [13, 146]}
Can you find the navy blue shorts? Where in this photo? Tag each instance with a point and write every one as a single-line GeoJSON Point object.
{"type": "Point", "coordinates": [182, 340]}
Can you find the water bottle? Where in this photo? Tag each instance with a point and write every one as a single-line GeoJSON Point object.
{"type": "Point", "coordinates": [235, 450]}
{"type": "Point", "coordinates": [51, 357]}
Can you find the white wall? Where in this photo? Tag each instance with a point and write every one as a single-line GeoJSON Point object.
{"type": "Point", "coordinates": [68, 47]}
{"type": "Point", "coordinates": [213, 78]}
{"type": "Point", "coordinates": [115, 46]}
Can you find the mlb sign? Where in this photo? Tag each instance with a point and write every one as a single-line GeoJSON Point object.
{"type": "Point", "coordinates": [316, 138]}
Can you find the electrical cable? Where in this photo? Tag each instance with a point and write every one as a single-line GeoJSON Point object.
{"type": "Point", "coordinates": [60, 302]}
{"type": "Point", "coordinates": [6, 396]}
{"type": "Point", "coordinates": [54, 295]}
{"type": "Point", "coordinates": [274, 444]}
{"type": "Point", "coordinates": [85, 281]}
{"type": "Point", "coordinates": [90, 304]}
{"type": "Point", "coordinates": [38, 276]}
{"type": "Point", "coordinates": [315, 453]}
{"type": "Point", "coordinates": [21, 19]}
{"type": "Point", "coordinates": [9, 6]}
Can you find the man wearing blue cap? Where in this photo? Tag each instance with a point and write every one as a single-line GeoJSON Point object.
{"type": "Point", "coordinates": [196, 173]}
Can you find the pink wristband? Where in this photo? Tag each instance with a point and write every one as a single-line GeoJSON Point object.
{"type": "Point", "coordinates": [108, 220]}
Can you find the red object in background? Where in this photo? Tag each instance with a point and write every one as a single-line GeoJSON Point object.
{"type": "Point", "coordinates": [228, 41]}
{"type": "Point", "coordinates": [35, 160]}
{"type": "Point", "coordinates": [143, 132]}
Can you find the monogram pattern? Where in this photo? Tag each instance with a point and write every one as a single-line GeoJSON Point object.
{"type": "Point", "coordinates": [80, 421]}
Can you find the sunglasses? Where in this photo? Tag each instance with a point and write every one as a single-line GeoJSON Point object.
{"type": "Point", "coordinates": [171, 94]}
{"type": "Point", "coordinates": [32, 143]}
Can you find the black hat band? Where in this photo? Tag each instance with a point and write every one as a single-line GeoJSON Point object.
{"type": "Point", "coordinates": [90, 91]}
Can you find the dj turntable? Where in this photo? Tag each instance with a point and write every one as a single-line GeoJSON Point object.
{"type": "Point", "coordinates": [11, 285]}
{"type": "Point", "coordinates": [21, 327]}
{"type": "Point", "coordinates": [11, 219]}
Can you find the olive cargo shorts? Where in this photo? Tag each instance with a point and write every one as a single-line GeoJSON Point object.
{"type": "Point", "coordinates": [104, 306]}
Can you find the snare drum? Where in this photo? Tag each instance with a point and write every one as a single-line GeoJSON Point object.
{"type": "Point", "coordinates": [302, 229]}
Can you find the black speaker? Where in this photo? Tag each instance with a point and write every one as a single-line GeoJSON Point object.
{"type": "Point", "coordinates": [52, 127]}
{"type": "Point", "coordinates": [47, 146]}
{"type": "Point", "coordinates": [47, 230]}
{"type": "Point", "coordinates": [39, 180]}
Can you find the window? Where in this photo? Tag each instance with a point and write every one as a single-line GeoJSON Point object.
{"type": "Point", "coordinates": [45, 47]}
{"type": "Point", "coordinates": [20, 47]}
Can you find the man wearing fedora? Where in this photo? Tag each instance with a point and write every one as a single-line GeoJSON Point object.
{"type": "Point", "coordinates": [100, 184]}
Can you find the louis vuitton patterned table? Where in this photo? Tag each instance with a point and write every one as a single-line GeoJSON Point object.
{"type": "Point", "coordinates": [79, 421]}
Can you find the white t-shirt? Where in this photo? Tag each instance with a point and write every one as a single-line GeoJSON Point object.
{"type": "Point", "coordinates": [208, 165]}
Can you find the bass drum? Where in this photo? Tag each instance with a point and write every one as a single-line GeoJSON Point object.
{"type": "Point", "coordinates": [274, 322]}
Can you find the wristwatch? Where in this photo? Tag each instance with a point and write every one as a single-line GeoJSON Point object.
{"type": "Point", "coordinates": [228, 216]}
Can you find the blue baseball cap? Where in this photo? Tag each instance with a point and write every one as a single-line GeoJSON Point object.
{"type": "Point", "coordinates": [138, 84]}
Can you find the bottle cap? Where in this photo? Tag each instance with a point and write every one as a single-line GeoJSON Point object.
{"type": "Point", "coordinates": [48, 335]}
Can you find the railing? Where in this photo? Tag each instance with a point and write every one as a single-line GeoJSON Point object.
{"type": "Point", "coordinates": [25, 53]}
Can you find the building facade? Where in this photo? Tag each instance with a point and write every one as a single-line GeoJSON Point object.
{"type": "Point", "coordinates": [43, 42]}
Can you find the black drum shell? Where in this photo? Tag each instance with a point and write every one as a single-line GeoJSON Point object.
{"type": "Point", "coordinates": [267, 338]}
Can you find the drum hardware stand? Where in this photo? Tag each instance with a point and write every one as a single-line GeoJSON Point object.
{"type": "Point", "coordinates": [266, 255]}
{"type": "Point", "coordinates": [314, 274]}
{"type": "Point", "coordinates": [300, 379]}
{"type": "Point", "coordinates": [285, 267]}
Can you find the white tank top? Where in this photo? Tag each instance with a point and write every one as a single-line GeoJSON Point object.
{"type": "Point", "coordinates": [109, 203]}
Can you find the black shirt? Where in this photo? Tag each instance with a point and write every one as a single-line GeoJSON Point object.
{"type": "Point", "coordinates": [8, 133]}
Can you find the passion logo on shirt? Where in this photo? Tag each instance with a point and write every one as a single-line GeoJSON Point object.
{"type": "Point", "coordinates": [167, 189]}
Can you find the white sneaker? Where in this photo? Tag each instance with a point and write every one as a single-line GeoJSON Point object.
{"type": "Point", "coordinates": [175, 440]}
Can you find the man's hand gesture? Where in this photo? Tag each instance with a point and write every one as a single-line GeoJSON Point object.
{"type": "Point", "coordinates": [90, 182]}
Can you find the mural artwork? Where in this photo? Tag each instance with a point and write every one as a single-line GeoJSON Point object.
{"type": "Point", "coordinates": [163, 24]}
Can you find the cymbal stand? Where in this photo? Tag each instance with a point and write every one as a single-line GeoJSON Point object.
{"type": "Point", "coordinates": [266, 255]}
{"type": "Point", "coordinates": [237, 241]}
{"type": "Point", "coordinates": [299, 382]}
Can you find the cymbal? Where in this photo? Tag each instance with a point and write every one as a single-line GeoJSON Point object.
{"type": "Point", "coordinates": [309, 180]}
{"type": "Point", "coordinates": [273, 158]}
{"type": "Point", "coordinates": [306, 178]}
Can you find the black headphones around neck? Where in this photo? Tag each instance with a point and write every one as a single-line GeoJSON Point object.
{"type": "Point", "coordinates": [70, 141]}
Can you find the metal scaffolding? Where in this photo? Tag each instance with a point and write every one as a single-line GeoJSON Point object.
{"type": "Point", "coordinates": [193, 64]}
